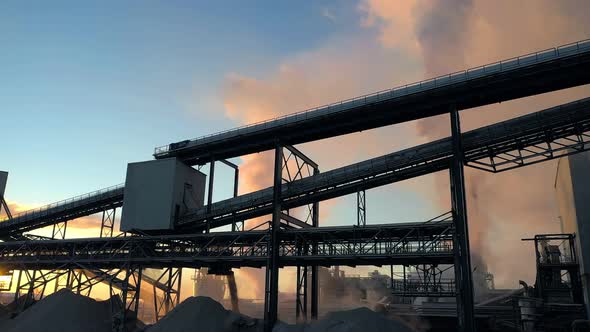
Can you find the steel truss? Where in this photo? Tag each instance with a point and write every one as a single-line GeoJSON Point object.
{"type": "Point", "coordinates": [170, 281]}
{"type": "Point", "coordinates": [555, 126]}
{"type": "Point", "coordinates": [361, 208]}
{"type": "Point", "coordinates": [398, 244]}
{"type": "Point", "coordinates": [562, 128]}
{"type": "Point", "coordinates": [296, 166]}
{"type": "Point", "coordinates": [428, 281]}
{"type": "Point", "coordinates": [107, 224]}
{"type": "Point", "coordinates": [31, 286]}
{"type": "Point", "coordinates": [128, 293]}
{"type": "Point", "coordinates": [59, 230]}
{"type": "Point", "coordinates": [237, 225]}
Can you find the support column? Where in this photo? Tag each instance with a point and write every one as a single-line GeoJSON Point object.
{"type": "Point", "coordinates": [59, 230]}
{"type": "Point", "coordinates": [272, 269]}
{"type": "Point", "coordinates": [301, 301]}
{"type": "Point", "coordinates": [361, 212]}
{"type": "Point", "coordinates": [315, 218]}
{"type": "Point", "coordinates": [235, 226]}
{"type": "Point", "coordinates": [171, 279]}
{"type": "Point", "coordinates": [463, 281]}
{"type": "Point", "coordinates": [210, 190]}
{"type": "Point", "coordinates": [108, 222]}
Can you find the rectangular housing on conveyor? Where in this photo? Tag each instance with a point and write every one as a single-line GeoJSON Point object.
{"type": "Point", "coordinates": [158, 192]}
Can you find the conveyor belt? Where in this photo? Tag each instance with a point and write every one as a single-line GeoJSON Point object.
{"type": "Point", "coordinates": [490, 147]}
{"type": "Point", "coordinates": [534, 138]}
{"type": "Point", "coordinates": [536, 73]}
{"type": "Point", "coordinates": [68, 209]}
{"type": "Point", "coordinates": [403, 243]}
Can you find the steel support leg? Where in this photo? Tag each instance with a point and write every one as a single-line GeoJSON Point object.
{"type": "Point", "coordinates": [6, 209]}
{"type": "Point", "coordinates": [129, 296]}
{"type": "Point", "coordinates": [361, 212]}
{"type": "Point", "coordinates": [314, 269]}
{"type": "Point", "coordinates": [171, 278]}
{"type": "Point", "coordinates": [34, 285]}
{"type": "Point", "coordinates": [237, 225]}
{"type": "Point", "coordinates": [108, 222]}
{"type": "Point", "coordinates": [59, 230]}
{"type": "Point", "coordinates": [301, 301]}
{"type": "Point", "coordinates": [272, 269]}
{"type": "Point", "coordinates": [465, 309]}
{"type": "Point", "coordinates": [210, 191]}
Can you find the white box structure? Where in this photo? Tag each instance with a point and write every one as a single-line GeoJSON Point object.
{"type": "Point", "coordinates": [157, 192]}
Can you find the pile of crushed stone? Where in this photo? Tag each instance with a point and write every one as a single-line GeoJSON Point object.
{"type": "Point", "coordinates": [4, 313]}
{"type": "Point", "coordinates": [63, 311]}
{"type": "Point", "coordinates": [205, 314]}
{"type": "Point", "coordinates": [202, 313]}
{"type": "Point", "coordinates": [356, 320]}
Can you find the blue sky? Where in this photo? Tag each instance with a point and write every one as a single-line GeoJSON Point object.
{"type": "Point", "coordinates": [86, 87]}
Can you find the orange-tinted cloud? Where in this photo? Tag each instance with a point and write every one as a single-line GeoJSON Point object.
{"type": "Point", "coordinates": [502, 208]}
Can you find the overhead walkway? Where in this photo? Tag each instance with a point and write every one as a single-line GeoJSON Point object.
{"type": "Point", "coordinates": [403, 243]}
{"type": "Point", "coordinates": [553, 69]}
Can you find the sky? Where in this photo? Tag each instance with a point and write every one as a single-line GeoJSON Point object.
{"type": "Point", "coordinates": [87, 87]}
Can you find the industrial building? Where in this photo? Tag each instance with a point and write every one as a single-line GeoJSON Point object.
{"type": "Point", "coordinates": [168, 222]}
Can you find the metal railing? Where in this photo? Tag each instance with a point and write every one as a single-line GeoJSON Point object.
{"type": "Point", "coordinates": [425, 287]}
{"type": "Point", "coordinates": [85, 198]}
{"type": "Point", "coordinates": [444, 80]}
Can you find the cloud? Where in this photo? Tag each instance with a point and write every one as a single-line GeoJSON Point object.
{"type": "Point", "coordinates": [327, 13]}
{"type": "Point", "coordinates": [505, 207]}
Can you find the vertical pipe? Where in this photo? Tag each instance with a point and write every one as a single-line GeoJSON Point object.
{"type": "Point", "coordinates": [272, 270]}
{"type": "Point", "coordinates": [315, 220]}
{"type": "Point", "coordinates": [210, 190]}
{"type": "Point", "coordinates": [465, 309]}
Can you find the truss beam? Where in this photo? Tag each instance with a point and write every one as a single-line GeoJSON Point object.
{"type": "Point", "coordinates": [557, 124]}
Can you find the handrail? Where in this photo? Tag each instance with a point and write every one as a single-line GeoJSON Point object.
{"type": "Point", "coordinates": [521, 61]}
{"type": "Point", "coordinates": [64, 202]}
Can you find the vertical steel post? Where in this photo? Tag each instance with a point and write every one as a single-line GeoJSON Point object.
{"type": "Point", "coordinates": [234, 225]}
{"type": "Point", "coordinates": [315, 220]}
{"type": "Point", "coordinates": [465, 309]}
{"type": "Point", "coordinates": [272, 269]}
{"type": "Point", "coordinates": [210, 191]}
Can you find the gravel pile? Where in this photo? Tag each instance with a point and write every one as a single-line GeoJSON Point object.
{"type": "Point", "coordinates": [202, 313]}
{"type": "Point", "coordinates": [356, 320]}
{"type": "Point", "coordinates": [63, 311]}
{"type": "Point", "coordinates": [4, 313]}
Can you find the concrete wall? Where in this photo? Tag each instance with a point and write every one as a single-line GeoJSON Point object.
{"type": "Point", "coordinates": [157, 192]}
{"type": "Point", "coordinates": [572, 187]}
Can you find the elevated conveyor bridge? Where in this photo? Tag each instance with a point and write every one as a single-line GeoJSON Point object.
{"type": "Point", "coordinates": [403, 243]}
{"type": "Point", "coordinates": [553, 69]}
